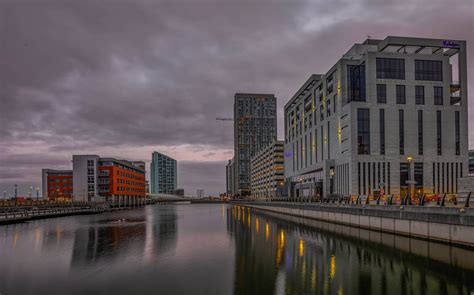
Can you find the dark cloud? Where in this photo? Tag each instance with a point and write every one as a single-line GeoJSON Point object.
{"type": "Point", "coordinates": [109, 76]}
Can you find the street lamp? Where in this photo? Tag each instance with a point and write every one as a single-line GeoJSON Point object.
{"type": "Point", "coordinates": [410, 182]}
{"type": "Point", "coordinates": [30, 192]}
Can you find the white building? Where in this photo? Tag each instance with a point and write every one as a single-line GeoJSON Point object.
{"type": "Point", "coordinates": [267, 171]}
{"type": "Point", "coordinates": [389, 114]}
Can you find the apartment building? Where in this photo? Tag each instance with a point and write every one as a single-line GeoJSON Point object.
{"type": "Point", "coordinates": [254, 128]}
{"type": "Point", "coordinates": [390, 117]}
{"type": "Point", "coordinates": [267, 171]}
{"type": "Point", "coordinates": [163, 176]}
{"type": "Point", "coordinates": [112, 180]}
{"type": "Point", "coordinates": [56, 184]}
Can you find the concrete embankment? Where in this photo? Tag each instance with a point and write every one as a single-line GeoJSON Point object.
{"type": "Point", "coordinates": [27, 215]}
{"type": "Point", "coordinates": [448, 225]}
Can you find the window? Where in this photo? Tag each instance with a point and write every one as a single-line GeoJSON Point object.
{"type": "Point", "coordinates": [381, 93]}
{"type": "Point", "coordinates": [322, 143]}
{"type": "Point", "coordinates": [401, 99]}
{"type": "Point", "coordinates": [335, 105]}
{"type": "Point", "coordinates": [438, 132]}
{"type": "Point", "coordinates": [403, 177]}
{"type": "Point", "coordinates": [401, 131]}
{"type": "Point", "coordinates": [428, 70]}
{"type": "Point", "coordinates": [420, 94]}
{"type": "Point", "coordinates": [329, 141]}
{"type": "Point", "coordinates": [390, 68]}
{"type": "Point", "coordinates": [418, 171]}
{"type": "Point", "coordinates": [356, 78]}
{"type": "Point", "coordinates": [382, 131]}
{"type": "Point", "coordinates": [363, 131]}
{"type": "Point", "coordinates": [457, 137]}
{"type": "Point", "coordinates": [328, 108]}
{"type": "Point", "coordinates": [438, 95]}
{"type": "Point", "coordinates": [420, 132]}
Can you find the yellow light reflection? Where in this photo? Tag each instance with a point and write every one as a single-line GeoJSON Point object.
{"type": "Point", "coordinates": [313, 277]}
{"type": "Point", "coordinates": [340, 291]}
{"type": "Point", "coordinates": [282, 238]}
{"type": "Point", "coordinates": [301, 248]}
{"type": "Point", "coordinates": [257, 225]}
{"type": "Point", "coordinates": [248, 220]}
{"type": "Point", "coordinates": [15, 240]}
{"type": "Point", "coordinates": [332, 267]}
{"type": "Point", "coordinates": [267, 231]}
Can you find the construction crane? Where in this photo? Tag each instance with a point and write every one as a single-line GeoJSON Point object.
{"type": "Point", "coordinates": [224, 119]}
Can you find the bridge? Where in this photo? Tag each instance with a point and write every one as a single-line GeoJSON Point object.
{"type": "Point", "coordinates": [168, 198]}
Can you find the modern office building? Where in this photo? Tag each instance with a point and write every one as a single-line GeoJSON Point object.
{"type": "Point", "coordinates": [254, 128]}
{"type": "Point", "coordinates": [229, 177]}
{"type": "Point", "coordinates": [108, 179]}
{"type": "Point", "coordinates": [163, 176]}
{"type": "Point", "coordinates": [267, 171]}
{"type": "Point", "coordinates": [471, 162]}
{"type": "Point", "coordinates": [389, 117]}
{"type": "Point", "coordinates": [93, 178]}
{"type": "Point", "coordinates": [56, 184]}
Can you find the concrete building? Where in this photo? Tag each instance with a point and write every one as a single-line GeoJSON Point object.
{"type": "Point", "coordinates": [471, 162]}
{"type": "Point", "coordinates": [200, 193]}
{"type": "Point", "coordinates": [254, 128]}
{"type": "Point", "coordinates": [119, 182]}
{"type": "Point", "coordinates": [163, 177]}
{"type": "Point", "coordinates": [56, 184]}
{"type": "Point", "coordinates": [179, 192]}
{"type": "Point", "coordinates": [267, 171]}
{"type": "Point", "coordinates": [389, 117]}
{"type": "Point", "coordinates": [229, 177]}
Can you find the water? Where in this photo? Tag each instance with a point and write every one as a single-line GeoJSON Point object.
{"type": "Point", "coordinates": [220, 249]}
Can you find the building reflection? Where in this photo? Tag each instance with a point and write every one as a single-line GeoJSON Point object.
{"type": "Point", "coordinates": [289, 258]}
{"type": "Point", "coordinates": [114, 239]}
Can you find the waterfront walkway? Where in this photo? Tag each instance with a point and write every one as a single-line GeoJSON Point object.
{"type": "Point", "coordinates": [451, 225]}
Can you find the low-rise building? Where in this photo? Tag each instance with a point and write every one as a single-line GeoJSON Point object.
{"type": "Point", "coordinates": [267, 171]}
{"type": "Point", "coordinates": [56, 184]}
{"type": "Point", "coordinates": [93, 178]}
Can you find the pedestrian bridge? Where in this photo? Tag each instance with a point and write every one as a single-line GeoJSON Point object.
{"type": "Point", "coordinates": [169, 198]}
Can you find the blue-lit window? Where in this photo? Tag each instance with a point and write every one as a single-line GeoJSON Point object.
{"type": "Point", "coordinates": [363, 131]}
{"type": "Point", "coordinates": [356, 78]}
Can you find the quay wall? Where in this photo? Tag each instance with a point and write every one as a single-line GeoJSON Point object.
{"type": "Point", "coordinates": [448, 225]}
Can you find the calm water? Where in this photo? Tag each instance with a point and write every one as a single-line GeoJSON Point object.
{"type": "Point", "coordinates": [219, 249]}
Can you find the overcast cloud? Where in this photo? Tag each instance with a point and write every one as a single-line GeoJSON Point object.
{"type": "Point", "coordinates": [126, 78]}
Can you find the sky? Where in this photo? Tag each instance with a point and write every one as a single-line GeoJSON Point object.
{"type": "Point", "coordinates": [126, 78]}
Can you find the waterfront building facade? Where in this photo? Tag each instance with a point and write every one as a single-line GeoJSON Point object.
{"type": "Point", "coordinates": [390, 117]}
{"type": "Point", "coordinates": [267, 171]}
{"type": "Point", "coordinates": [56, 184]}
{"type": "Point", "coordinates": [108, 179]}
{"type": "Point", "coordinates": [163, 177]}
{"type": "Point", "coordinates": [229, 177]}
{"type": "Point", "coordinates": [254, 128]}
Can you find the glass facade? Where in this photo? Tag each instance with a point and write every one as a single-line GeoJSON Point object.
{"type": "Point", "coordinates": [381, 93]}
{"type": "Point", "coordinates": [428, 70]}
{"type": "Point", "coordinates": [390, 68]}
{"type": "Point", "coordinates": [400, 93]}
{"type": "Point", "coordinates": [382, 131]}
{"type": "Point", "coordinates": [438, 95]}
{"type": "Point", "coordinates": [401, 131]}
{"type": "Point", "coordinates": [363, 131]}
{"type": "Point", "coordinates": [420, 132]}
{"type": "Point", "coordinates": [163, 177]}
{"type": "Point", "coordinates": [419, 94]}
{"type": "Point", "coordinates": [356, 82]}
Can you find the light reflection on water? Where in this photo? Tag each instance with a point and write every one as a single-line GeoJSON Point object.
{"type": "Point", "coordinates": [210, 249]}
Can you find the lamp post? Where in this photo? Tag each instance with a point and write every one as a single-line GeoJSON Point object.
{"type": "Point", "coordinates": [16, 192]}
{"type": "Point", "coordinates": [30, 192]}
{"type": "Point", "coordinates": [410, 182]}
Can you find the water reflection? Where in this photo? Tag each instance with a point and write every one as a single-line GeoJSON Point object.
{"type": "Point", "coordinates": [293, 259]}
{"type": "Point", "coordinates": [115, 237]}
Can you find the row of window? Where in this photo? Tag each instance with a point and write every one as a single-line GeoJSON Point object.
{"type": "Point", "coordinates": [401, 94]}
{"type": "Point", "coordinates": [363, 131]}
{"type": "Point", "coordinates": [394, 68]}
